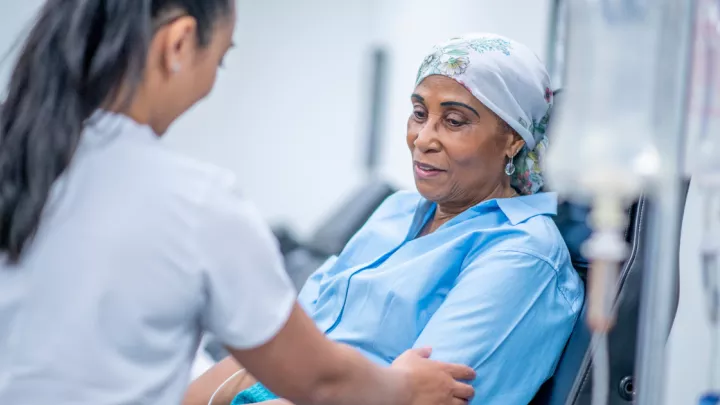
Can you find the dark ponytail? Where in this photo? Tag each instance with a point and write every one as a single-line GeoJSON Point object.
{"type": "Point", "coordinates": [78, 57]}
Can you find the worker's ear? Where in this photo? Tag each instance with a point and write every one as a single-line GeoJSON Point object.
{"type": "Point", "coordinates": [178, 44]}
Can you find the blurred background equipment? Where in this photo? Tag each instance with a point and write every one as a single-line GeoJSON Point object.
{"type": "Point", "coordinates": [303, 258]}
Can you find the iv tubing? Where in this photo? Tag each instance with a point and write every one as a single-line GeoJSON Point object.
{"type": "Point", "coordinates": [607, 250]}
{"type": "Point", "coordinates": [235, 374]}
{"type": "Point", "coordinates": [601, 369]}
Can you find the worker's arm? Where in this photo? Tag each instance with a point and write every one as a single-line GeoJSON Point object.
{"type": "Point", "coordinates": [300, 364]}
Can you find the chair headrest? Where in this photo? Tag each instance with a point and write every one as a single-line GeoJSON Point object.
{"type": "Point", "coordinates": [572, 221]}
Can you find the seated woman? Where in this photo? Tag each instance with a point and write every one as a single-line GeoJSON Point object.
{"type": "Point", "coordinates": [471, 265]}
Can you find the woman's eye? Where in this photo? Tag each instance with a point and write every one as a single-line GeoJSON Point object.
{"type": "Point", "coordinates": [455, 122]}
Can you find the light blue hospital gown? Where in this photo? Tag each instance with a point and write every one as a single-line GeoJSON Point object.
{"type": "Point", "coordinates": [492, 288]}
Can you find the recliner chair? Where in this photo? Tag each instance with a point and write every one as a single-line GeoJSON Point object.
{"type": "Point", "coordinates": [571, 384]}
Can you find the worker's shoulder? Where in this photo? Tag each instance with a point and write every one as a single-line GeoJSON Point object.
{"type": "Point", "coordinates": [201, 182]}
{"type": "Point", "coordinates": [190, 171]}
{"type": "Point", "coordinates": [195, 169]}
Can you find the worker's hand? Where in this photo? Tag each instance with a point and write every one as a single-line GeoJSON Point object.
{"type": "Point", "coordinates": [433, 382]}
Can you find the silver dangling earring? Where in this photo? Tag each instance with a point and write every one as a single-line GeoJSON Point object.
{"type": "Point", "coordinates": [176, 67]}
{"type": "Point", "coordinates": [510, 167]}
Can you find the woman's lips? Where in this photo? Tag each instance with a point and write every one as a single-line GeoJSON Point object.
{"type": "Point", "coordinates": [426, 171]}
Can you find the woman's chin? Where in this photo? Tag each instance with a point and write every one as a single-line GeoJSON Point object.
{"type": "Point", "coordinates": [429, 192]}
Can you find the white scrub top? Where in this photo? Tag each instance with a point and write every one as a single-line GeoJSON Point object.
{"type": "Point", "coordinates": [138, 253]}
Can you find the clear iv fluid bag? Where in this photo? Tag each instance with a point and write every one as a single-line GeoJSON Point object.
{"type": "Point", "coordinates": [602, 139]}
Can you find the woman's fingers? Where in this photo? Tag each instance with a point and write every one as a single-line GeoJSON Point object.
{"type": "Point", "coordinates": [459, 372]}
{"type": "Point", "coordinates": [463, 391]}
{"type": "Point", "coordinates": [423, 352]}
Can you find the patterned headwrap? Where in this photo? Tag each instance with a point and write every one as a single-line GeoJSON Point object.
{"type": "Point", "coordinates": [509, 79]}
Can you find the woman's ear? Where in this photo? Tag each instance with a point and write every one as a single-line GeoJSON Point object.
{"type": "Point", "coordinates": [516, 143]}
{"type": "Point", "coordinates": [179, 44]}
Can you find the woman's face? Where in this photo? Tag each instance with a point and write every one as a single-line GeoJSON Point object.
{"type": "Point", "coordinates": [458, 150]}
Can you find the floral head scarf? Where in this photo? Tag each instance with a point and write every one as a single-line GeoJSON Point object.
{"type": "Point", "coordinates": [510, 80]}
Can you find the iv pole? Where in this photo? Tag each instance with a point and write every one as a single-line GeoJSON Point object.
{"type": "Point", "coordinates": [660, 275]}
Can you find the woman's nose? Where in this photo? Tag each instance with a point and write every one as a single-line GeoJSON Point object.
{"type": "Point", "coordinates": [427, 140]}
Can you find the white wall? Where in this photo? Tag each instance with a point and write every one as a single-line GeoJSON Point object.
{"type": "Point", "coordinates": [290, 112]}
{"type": "Point", "coordinates": [15, 19]}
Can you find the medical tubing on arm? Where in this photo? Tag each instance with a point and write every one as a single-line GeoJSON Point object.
{"type": "Point", "coordinates": [235, 374]}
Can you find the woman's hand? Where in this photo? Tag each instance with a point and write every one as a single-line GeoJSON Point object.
{"type": "Point", "coordinates": [432, 382]}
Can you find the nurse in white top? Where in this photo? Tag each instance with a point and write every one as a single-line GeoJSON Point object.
{"type": "Point", "coordinates": [117, 254]}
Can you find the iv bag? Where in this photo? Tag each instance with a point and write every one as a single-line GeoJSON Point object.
{"type": "Point", "coordinates": [602, 139]}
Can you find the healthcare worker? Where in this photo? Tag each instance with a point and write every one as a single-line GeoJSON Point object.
{"type": "Point", "coordinates": [118, 254]}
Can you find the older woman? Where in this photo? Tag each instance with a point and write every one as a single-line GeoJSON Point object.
{"type": "Point", "coordinates": [471, 265]}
